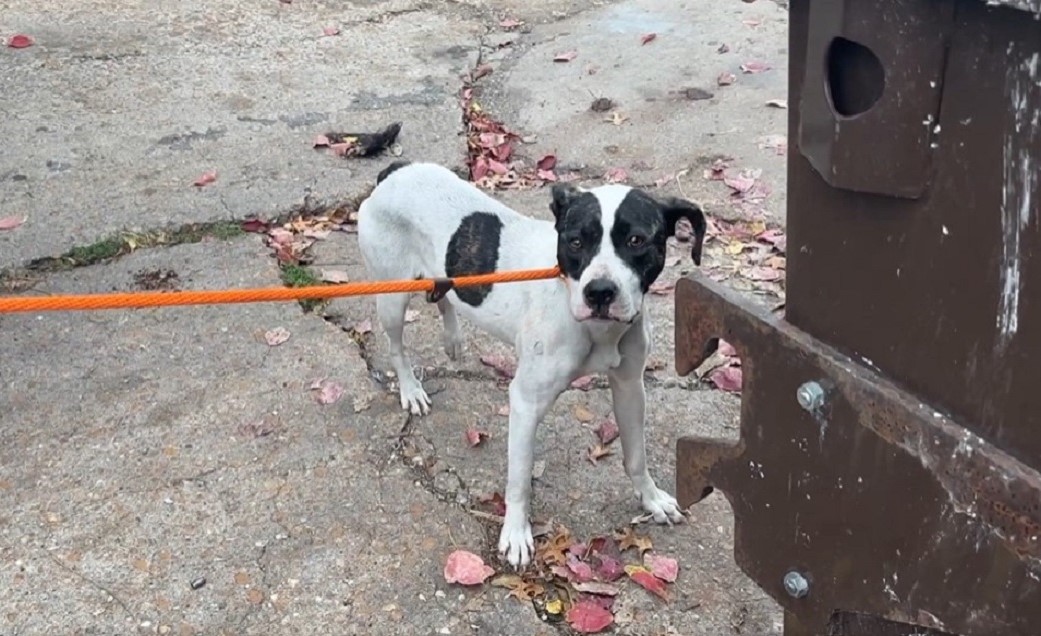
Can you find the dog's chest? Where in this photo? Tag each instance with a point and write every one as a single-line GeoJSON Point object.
{"type": "Point", "coordinates": [601, 358]}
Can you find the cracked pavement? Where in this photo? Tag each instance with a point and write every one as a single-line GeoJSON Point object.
{"type": "Point", "coordinates": [167, 471]}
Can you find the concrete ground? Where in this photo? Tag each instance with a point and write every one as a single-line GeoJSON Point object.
{"type": "Point", "coordinates": [170, 471]}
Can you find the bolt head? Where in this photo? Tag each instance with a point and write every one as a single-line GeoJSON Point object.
{"type": "Point", "coordinates": [796, 585]}
{"type": "Point", "coordinates": [810, 396]}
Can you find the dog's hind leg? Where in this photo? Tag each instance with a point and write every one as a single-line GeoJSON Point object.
{"type": "Point", "coordinates": [453, 336]}
{"type": "Point", "coordinates": [391, 309]}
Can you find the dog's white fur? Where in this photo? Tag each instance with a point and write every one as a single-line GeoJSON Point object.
{"type": "Point", "coordinates": [404, 229]}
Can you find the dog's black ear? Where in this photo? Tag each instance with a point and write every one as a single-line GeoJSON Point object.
{"type": "Point", "coordinates": [563, 195]}
{"type": "Point", "coordinates": [674, 208]}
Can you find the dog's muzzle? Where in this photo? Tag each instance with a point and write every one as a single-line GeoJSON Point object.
{"type": "Point", "coordinates": [599, 293]}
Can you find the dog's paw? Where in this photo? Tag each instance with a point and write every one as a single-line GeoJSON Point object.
{"type": "Point", "coordinates": [453, 346]}
{"type": "Point", "coordinates": [414, 399]}
{"type": "Point", "coordinates": [660, 505]}
{"type": "Point", "coordinates": [516, 543]}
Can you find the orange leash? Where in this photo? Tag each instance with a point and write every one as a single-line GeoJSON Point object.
{"type": "Point", "coordinates": [435, 288]}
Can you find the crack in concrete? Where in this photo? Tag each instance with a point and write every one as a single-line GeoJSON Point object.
{"type": "Point", "coordinates": [91, 582]}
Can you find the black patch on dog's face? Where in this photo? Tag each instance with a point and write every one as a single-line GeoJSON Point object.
{"type": "Point", "coordinates": [474, 249]}
{"type": "Point", "coordinates": [639, 236]}
{"type": "Point", "coordinates": [579, 229]}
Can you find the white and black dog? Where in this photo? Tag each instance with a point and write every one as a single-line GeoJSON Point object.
{"type": "Point", "coordinates": [609, 242]}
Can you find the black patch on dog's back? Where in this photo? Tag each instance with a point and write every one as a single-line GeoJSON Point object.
{"type": "Point", "coordinates": [386, 172]}
{"type": "Point", "coordinates": [638, 215]}
{"type": "Point", "coordinates": [474, 249]}
{"type": "Point", "coordinates": [578, 218]}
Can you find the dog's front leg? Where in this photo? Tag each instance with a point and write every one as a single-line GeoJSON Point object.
{"type": "Point", "coordinates": [630, 403]}
{"type": "Point", "coordinates": [531, 396]}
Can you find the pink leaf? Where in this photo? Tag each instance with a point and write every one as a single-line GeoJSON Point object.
{"type": "Point", "coordinates": [663, 567]}
{"type": "Point", "coordinates": [547, 163]}
{"type": "Point", "coordinates": [474, 437]}
{"type": "Point", "coordinates": [727, 379]}
{"type": "Point", "coordinates": [206, 178]}
{"type": "Point", "coordinates": [341, 150]}
{"type": "Point", "coordinates": [19, 41]}
{"type": "Point", "coordinates": [504, 366]}
{"type": "Point", "coordinates": [662, 288]}
{"type": "Point", "coordinates": [466, 568]}
{"type": "Point", "coordinates": [328, 391]}
{"type": "Point", "coordinates": [566, 56]}
{"type": "Point", "coordinates": [479, 169]}
{"type": "Point", "coordinates": [647, 38]}
{"type": "Point", "coordinates": [607, 431]}
{"type": "Point", "coordinates": [616, 175]}
{"type": "Point", "coordinates": [726, 79]}
{"type": "Point", "coordinates": [320, 141]}
{"type": "Point", "coordinates": [497, 167]}
{"type": "Point", "coordinates": [480, 71]}
{"type": "Point", "coordinates": [582, 571]}
{"type": "Point", "coordinates": [642, 577]}
{"type": "Point", "coordinates": [11, 222]}
{"type": "Point", "coordinates": [510, 23]}
{"type": "Point", "coordinates": [610, 568]}
{"type": "Point", "coordinates": [754, 67]}
{"type": "Point", "coordinates": [595, 587]}
{"type": "Point", "coordinates": [546, 175]}
{"type": "Point", "coordinates": [276, 336]}
{"type": "Point", "coordinates": [331, 31]}
{"type": "Point", "coordinates": [583, 383]}
{"type": "Point", "coordinates": [588, 617]}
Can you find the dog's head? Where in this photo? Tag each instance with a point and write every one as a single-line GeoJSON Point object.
{"type": "Point", "coordinates": [611, 246]}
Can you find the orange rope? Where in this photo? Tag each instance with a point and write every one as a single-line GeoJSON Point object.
{"type": "Point", "coordinates": [265, 294]}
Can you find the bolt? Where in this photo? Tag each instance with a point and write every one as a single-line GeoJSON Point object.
{"type": "Point", "coordinates": [810, 396]}
{"type": "Point", "coordinates": [796, 585]}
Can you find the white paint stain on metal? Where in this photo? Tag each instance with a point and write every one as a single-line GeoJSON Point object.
{"type": "Point", "coordinates": [1022, 139]}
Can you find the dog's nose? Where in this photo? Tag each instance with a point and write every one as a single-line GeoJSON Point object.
{"type": "Point", "coordinates": [600, 293]}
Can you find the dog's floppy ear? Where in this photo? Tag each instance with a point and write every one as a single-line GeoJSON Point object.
{"type": "Point", "coordinates": [563, 195]}
{"type": "Point", "coordinates": [673, 208]}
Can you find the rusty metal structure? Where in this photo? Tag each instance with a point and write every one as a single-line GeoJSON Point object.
{"type": "Point", "coordinates": [886, 480]}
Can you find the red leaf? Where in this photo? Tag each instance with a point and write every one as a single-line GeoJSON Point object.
{"type": "Point", "coordinates": [330, 31]}
{"type": "Point", "coordinates": [610, 568]}
{"type": "Point", "coordinates": [503, 152]}
{"type": "Point", "coordinates": [504, 366]}
{"type": "Point", "coordinates": [254, 225]}
{"type": "Point", "coordinates": [321, 141]}
{"type": "Point", "coordinates": [583, 383]}
{"type": "Point", "coordinates": [727, 378]}
{"type": "Point", "coordinates": [547, 163]}
{"type": "Point", "coordinates": [582, 571]}
{"type": "Point", "coordinates": [726, 79]}
{"type": "Point", "coordinates": [19, 41]}
{"type": "Point", "coordinates": [607, 431]}
{"type": "Point", "coordinates": [616, 175]}
{"type": "Point", "coordinates": [11, 222]}
{"type": "Point", "coordinates": [497, 503]}
{"type": "Point", "coordinates": [642, 577]}
{"type": "Point", "coordinates": [479, 169]}
{"type": "Point", "coordinates": [546, 175]}
{"type": "Point", "coordinates": [739, 183]}
{"type": "Point", "coordinates": [754, 67]}
{"type": "Point", "coordinates": [474, 437]}
{"type": "Point", "coordinates": [566, 56]}
{"type": "Point", "coordinates": [647, 38]}
{"type": "Point", "coordinates": [663, 567]}
{"type": "Point", "coordinates": [497, 167]}
{"type": "Point", "coordinates": [588, 617]}
{"type": "Point", "coordinates": [466, 568]}
{"type": "Point", "coordinates": [206, 178]}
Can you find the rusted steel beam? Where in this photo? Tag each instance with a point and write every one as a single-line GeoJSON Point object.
{"type": "Point", "coordinates": [880, 504]}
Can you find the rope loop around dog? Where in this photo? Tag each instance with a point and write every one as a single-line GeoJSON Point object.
{"type": "Point", "coordinates": [435, 289]}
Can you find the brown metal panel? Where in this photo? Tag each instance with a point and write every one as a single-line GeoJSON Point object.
{"type": "Point", "coordinates": [943, 293]}
{"type": "Point", "coordinates": [871, 93]}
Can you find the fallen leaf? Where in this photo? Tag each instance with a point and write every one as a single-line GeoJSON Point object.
{"type": "Point", "coordinates": [596, 587]}
{"type": "Point", "coordinates": [255, 225]}
{"type": "Point", "coordinates": [607, 431]}
{"type": "Point", "coordinates": [647, 38]}
{"type": "Point", "coordinates": [595, 453]}
{"type": "Point", "coordinates": [518, 587]}
{"type": "Point", "coordinates": [726, 79]}
{"type": "Point", "coordinates": [616, 175]}
{"type": "Point", "coordinates": [727, 379]}
{"type": "Point", "coordinates": [642, 577]}
{"type": "Point", "coordinates": [320, 141]}
{"type": "Point", "coordinates": [754, 67]}
{"type": "Point", "coordinates": [363, 327]}
{"type": "Point", "coordinates": [510, 23]}
{"type": "Point", "coordinates": [610, 568]}
{"type": "Point", "coordinates": [662, 288]}
{"type": "Point", "coordinates": [581, 570]}
{"type": "Point", "coordinates": [629, 539]}
{"type": "Point", "coordinates": [480, 71]}
{"type": "Point", "coordinates": [662, 567]}
{"type": "Point", "coordinates": [205, 178]}
{"type": "Point", "coordinates": [328, 391]}
{"type": "Point", "coordinates": [335, 276]}
{"type": "Point", "coordinates": [19, 41]}
{"type": "Point", "coordinates": [566, 56]}
{"type": "Point", "coordinates": [276, 336]}
{"type": "Point", "coordinates": [547, 163]}
{"type": "Point", "coordinates": [474, 437]}
{"type": "Point", "coordinates": [778, 103]}
{"type": "Point", "coordinates": [582, 414]}
{"type": "Point", "coordinates": [739, 183]}
{"type": "Point", "coordinates": [617, 118]}
{"type": "Point", "coordinates": [11, 222]}
{"type": "Point", "coordinates": [411, 315]}
{"type": "Point", "coordinates": [553, 550]}
{"type": "Point", "coordinates": [588, 617]}
{"type": "Point", "coordinates": [583, 383]}
{"type": "Point", "coordinates": [466, 568]}
{"type": "Point", "coordinates": [504, 366]}
{"type": "Point", "coordinates": [496, 502]}
{"type": "Point", "coordinates": [330, 31]}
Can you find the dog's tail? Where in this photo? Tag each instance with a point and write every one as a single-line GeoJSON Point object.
{"type": "Point", "coordinates": [389, 169]}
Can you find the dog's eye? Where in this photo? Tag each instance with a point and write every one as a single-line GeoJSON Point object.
{"type": "Point", "coordinates": [636, 240]}
{"type": "Point", "coordinates": [575, 244]}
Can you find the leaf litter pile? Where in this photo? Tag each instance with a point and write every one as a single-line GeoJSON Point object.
{"type": "Point", "coordinates": [572, 580]}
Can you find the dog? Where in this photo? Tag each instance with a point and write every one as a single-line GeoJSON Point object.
{"type": "Point", "coordinates": [423, 221]}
